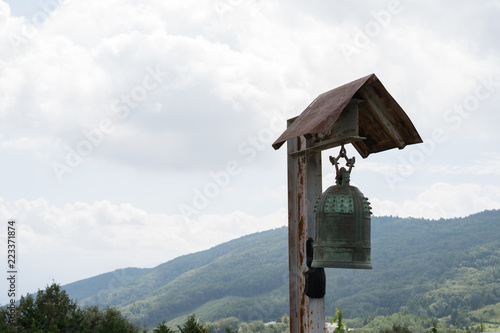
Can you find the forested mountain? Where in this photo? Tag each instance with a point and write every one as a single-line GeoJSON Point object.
{"type": "Point", "coordinates": [242, 269]}
{"type": "Point", "coordinates": [434, 268]}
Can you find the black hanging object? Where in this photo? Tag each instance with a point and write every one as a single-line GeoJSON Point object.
{"type": "Point", "coordinates": [315, 277]}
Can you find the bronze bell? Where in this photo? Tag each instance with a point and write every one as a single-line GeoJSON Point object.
{"type": "Point", "coordinates": [342, 224]}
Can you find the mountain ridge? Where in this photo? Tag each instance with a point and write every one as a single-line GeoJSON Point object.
{"type": "Point", "coordinates": [423, 265]}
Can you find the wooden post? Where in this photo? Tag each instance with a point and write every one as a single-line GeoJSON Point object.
{"type": "Point", "coordinates": [304, 187]}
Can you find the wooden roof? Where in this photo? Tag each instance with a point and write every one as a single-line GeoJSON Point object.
{"type": "Point", "coordinates": [381, 120]}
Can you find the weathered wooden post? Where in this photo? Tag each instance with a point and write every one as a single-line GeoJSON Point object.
{"type": "Point", "coordinates": [362, 113]}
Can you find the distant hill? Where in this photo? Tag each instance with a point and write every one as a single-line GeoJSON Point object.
{"type": "Point", "coordinates": [244, 268]}
{"type": "Point", "coordinates": [435, 268]}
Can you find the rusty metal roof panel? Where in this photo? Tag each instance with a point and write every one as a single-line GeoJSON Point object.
{"type": "Point", "coordinates": [381, 120]}
{"type": "Point", "coordinates": [322, 113]}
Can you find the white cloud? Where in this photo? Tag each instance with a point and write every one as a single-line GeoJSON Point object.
{"type": "Point", "coordinates": [82, 62]}
{"type": "Point", "coordinates": [269, 193]}
{"type": "Point", "coordinates": [104, 226]}
{"type": "Point", "coordinates": [225, 62]}
{"type": "Point", "coordinates": [227, 67]}
{"type": "Point", "coordinates": [25, 143]}
{"type": "Point", "coordinates": [442, 200]}
{"type": "Point", "coordinates": [76, 234]}
{"type": "Point", "coordinates": [490, 165]}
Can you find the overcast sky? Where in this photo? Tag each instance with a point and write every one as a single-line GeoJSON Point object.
{"type": "Point", "coordinates": [133, 132]}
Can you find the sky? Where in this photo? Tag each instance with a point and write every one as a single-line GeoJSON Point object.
{"type": "Point", "coordinates": [133, 132]}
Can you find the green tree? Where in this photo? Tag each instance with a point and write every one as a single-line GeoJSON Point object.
{"type": "Point", "coordinates": [93, 318]}
{"type": "Point", "coordinates": [434, 327]}
{"type": "Point", "coordinates": [338, 319]}
{"type": "Point", "coordinates": [224, 325]}
{"type": "Point", "coordinates": [29, 316]}
{"type": "Point", "coordinates": [5, 326]}
{"type": "Point", "coordinates": [481, 327]}
{"type": "Point", "coordinates": [396, 329]}
{"type": "Point", "coordinates": [228, 329]}
{"type": "Point", "coordinates": [52, 311]}
{"type": "Point", "coordinates": [113, 321]}
{"type": "Point", "coordinates": [55, 305]}
{"type": "Point", "coordinates": [192, 326]}
{"type": "Point", "coordinates": [163, 328]}
{"type": "Point", "coordinates": [256, 326]}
